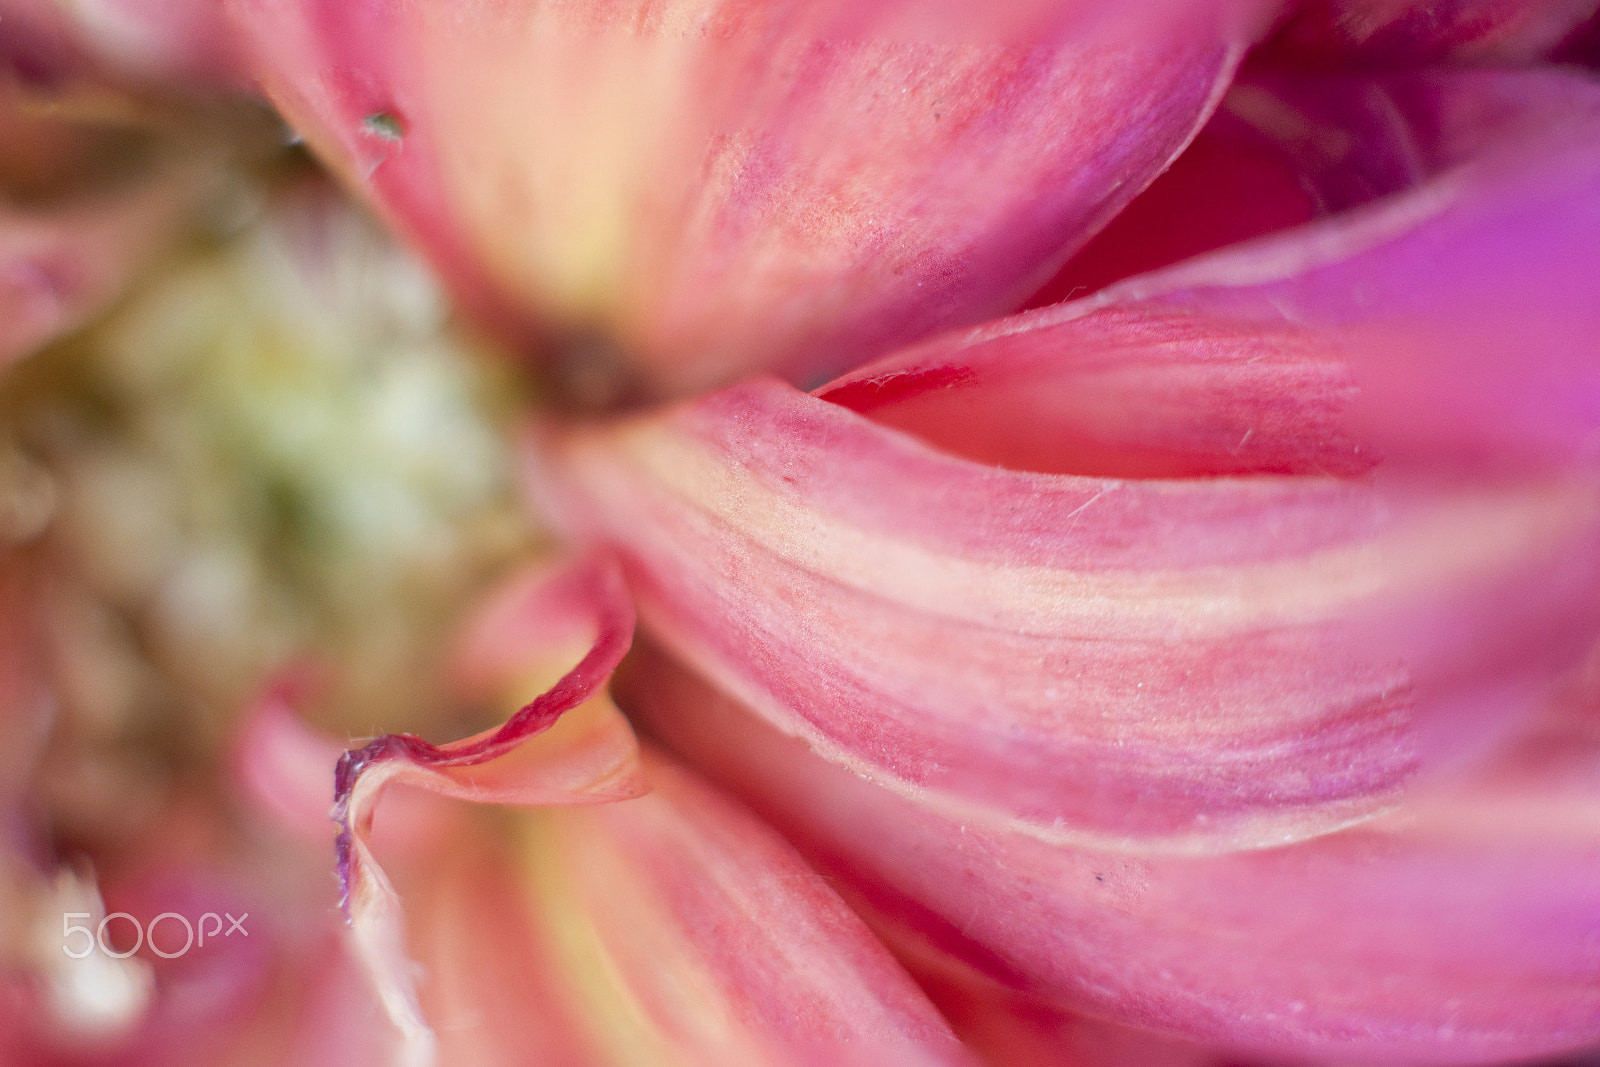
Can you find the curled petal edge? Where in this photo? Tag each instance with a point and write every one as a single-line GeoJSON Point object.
{"type": "Point", "coordinates": [592, 757]}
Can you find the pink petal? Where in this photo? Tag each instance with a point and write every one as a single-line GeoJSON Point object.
{"type": "Point", "coordinates": [1447, 319]}
{"type": "Point", "coordinates": [681, 193]}
{"type": "Point", "coordinates": [281, 765]}
{"type": "Point", "coordinates": [1191, 663]}
{"type": "Point", "coordinates": [589, 757]}
{"type": "Point", "coordinates": [674, 928]}
{"type": "Point", "coordinates": [1461, 307]}
{"type": "Point", "coordinates": [280, 771]}
{"type": "Point", "coordinates": [336, 1007]}
{"type": "Point", "coordinates": [668, 928]}
{"type": "Point", "coordinates": [1459, 929]}
{"type": "Point", "coordinates": [88, 213]}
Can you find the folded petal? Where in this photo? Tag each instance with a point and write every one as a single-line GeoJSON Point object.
{"type": "Point", "coordinates": [588, 756]}
{"type": "Point", "coordinates": [665, 196]}
{"type": "Point", "coordinates": [671, 928]}
{"type": "Point", "coordinates": [1461, 928]}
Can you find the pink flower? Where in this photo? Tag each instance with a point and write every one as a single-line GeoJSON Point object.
{"type": "Point", "coordinates": [1194, 661]}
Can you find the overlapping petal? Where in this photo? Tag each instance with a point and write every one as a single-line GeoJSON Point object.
{"type": "Point", "coordinates": [1197, 663]}
{"type": "Point", "coordinates": [671, 929]}
{"type": "Point", "coordinates": [668, 928]}
{"type": "Point", "coordinates": [1462, 306]}
{"type": "Point", "coordinates": [1460, 928]}
{"type": "Point", "coordinates": [668, 195]}
{"type": "Point", "coordinates": [1135, 578]}
{"type": "Point", "coordinates": [1195, 657]}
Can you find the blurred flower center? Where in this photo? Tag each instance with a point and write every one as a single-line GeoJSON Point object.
{"type": "Point", "coordinates": [278, 450]}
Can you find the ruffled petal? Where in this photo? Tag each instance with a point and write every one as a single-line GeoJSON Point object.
{"type": "Point", "coordinates": [670, 195]}
{"type": "Point", "coordinates": [669, 928]}
{"type": "Point", "coordinates": [1461, 928]}
{"type": "Point", "coordinates": [589, 756]}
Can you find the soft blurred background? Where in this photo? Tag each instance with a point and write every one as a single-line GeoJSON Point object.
{"type": "Point", "coordinates": [257, 444]}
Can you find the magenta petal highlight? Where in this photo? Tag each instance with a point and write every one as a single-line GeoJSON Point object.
{"type": "Point", "coordinates": [1397, 32]}
{"type": "Point", "coordinates": [1461, 307]}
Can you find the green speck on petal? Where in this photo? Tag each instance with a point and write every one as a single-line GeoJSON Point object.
{"type": "Point", "coordinates": [384, 124]}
